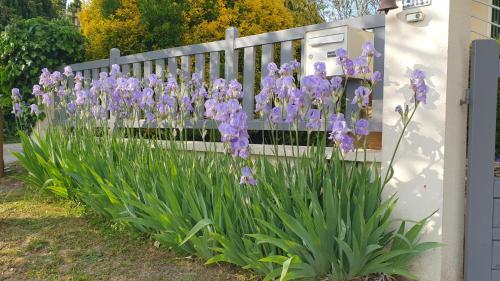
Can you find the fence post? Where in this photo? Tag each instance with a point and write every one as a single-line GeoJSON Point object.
{"type": "Point", "coordinates": [114, 55]}
{"type": "Point", "coordinates": [230, 54]}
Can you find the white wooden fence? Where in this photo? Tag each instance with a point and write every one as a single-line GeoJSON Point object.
{"type": "Point", "coordinates": [210, 56]}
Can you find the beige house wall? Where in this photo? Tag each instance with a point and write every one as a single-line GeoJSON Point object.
{"type": "Point", "coordinates": [482, 12]}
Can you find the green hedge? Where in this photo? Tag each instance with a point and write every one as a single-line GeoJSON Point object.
{"type": "Point", "coordinates": [28, 46]}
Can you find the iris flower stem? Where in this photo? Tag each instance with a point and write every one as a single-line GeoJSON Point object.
{"type": "Point", "coordinates": [387, 178]}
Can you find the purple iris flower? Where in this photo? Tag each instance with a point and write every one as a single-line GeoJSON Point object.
{"type": "Point", "coordinates": [269, 82]}
{"type": "Point", "coordinates": [222, 112]}
{"type": "Point", "coordinates": [320, 69]}
{"type": "Point", "coordinates": [68, 71]}
{"type": "Point", "coordinates": [284, 86]}
{"type": "Point", "coordinates": [16, 95]}
{"type": "Point", "coordinates": [361, 96]}
{"type": "Point", "coordinates": [71, 108]}
{"type": "Point", "coordinates": [150, 118]}
{"type": "Point", "coordinates": [210, 110]}
{"type": "Point", "coordinates": [399, 110]}
{"type": "Point", "coordinates": [17, 110]}
{"type": "Point", "coordinates": [234, 90]}
{"type": "Point", "coordinates": [115, 69]}
{"type": "Point", "coordinates": [261, 103]}
{"type": "Point", "coordinates": [46, 99]}
{"type": "Point", "coordinates": [292, 113]}
{"type": "Point", "coordinates": [45, 78]}
{"type": "Point", "coordinates": [313, 119]}
{"type": "Point", "coordinates": [346, 143]}
{"type": "Point", "coordinates": [286, 69]}
{"type": "Point", "coordinates": [186, 104]}
{"type": "Point", "coordinates": [272, 68]}
{"type": "Point", "coordinates": [275, 115]}
{"type": "Point", "coordinates": [348, 67]}
{"type": "Point", "coordinates": [297, 97]}
{"type": "Point", "coordinates": [362, 127]}
{"type": "Point", "coordinates": [336, 83]}
{"type": "Point", "coordinates": [361, 65]}
{"type": "Point", "coordinates": [239, 120]}
{"type": "Point", "coordinates": [295, 65]}
{"type": "Point", "coordinates": [247, 176]}
{"type": "Point", "coordinates": [227, 131]}
{"type": "Point", "coordinates": [341, 53]}
{"type": "Point", "coordinates": [56, 77]}
{"type": "Point", "coordinates": [377, 77]}
{"type": "Point", "coordinates": [419, 86]}
{"type": "Point", "coordinates": [37, 90]}
{"type": "Point", "coordinates": [369, 50]}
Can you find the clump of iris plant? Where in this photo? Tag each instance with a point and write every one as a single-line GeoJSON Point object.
{"type": "Point", "coordinates": [316, 102]}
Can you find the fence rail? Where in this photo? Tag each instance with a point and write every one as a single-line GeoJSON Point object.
{"type": "Point", "coordinates": [223, 56]}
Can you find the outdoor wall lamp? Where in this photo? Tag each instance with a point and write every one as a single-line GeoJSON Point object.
{"type": "Point", "coordinates": [387, 5]}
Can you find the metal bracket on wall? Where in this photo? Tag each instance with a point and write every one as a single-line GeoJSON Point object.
{"type": "Point", "coordinates": [466, 98]}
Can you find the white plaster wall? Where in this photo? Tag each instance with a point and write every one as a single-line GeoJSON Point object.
{"type": "Point", "coordinates": [430, 165]}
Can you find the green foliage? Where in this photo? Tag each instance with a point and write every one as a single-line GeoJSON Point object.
{"type": "Point", "coordinates": [136, 26]}
{"type": "Point", "coordinates": [304, 12]}
{"type": "Point", "coordinates": [27, 46]}
{"type": "Point", "coordinates": [75, 6]}
{"type": "Point", "coordinates": [109, 7]}
{"type": "Point", "coordinates": [307, 218]}
{"type": "Point", "coordinates": [24, 9]}
{"type": "Point", "coordinates": [163, 22]}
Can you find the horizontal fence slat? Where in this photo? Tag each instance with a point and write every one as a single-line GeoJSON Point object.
{"type": "Point", "coordinates": [255, 124]}
{"type": "Point", "coordinates": [104, 69]}
{"type": "Point", "coordinates": [89, 64]}
{"type": "Point", "coordinates": [366, 22]}
{"type": "Point", "coordinates": [175, 52]}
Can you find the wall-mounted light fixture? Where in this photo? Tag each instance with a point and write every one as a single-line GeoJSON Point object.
{"type": "Point", "coordinates": [387, 5]}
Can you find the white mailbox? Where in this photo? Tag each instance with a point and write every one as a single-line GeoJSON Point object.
{"type": "Point", "coordinates": [320, 45]}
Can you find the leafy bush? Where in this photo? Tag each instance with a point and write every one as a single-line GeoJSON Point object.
{"type": "Point", "coordinates": [27, 46]}
{"type": "Point", "coordinates": [310, 216]}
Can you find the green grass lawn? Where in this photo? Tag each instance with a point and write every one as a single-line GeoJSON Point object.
{"type": "Point", "coordinates": [43, 238]}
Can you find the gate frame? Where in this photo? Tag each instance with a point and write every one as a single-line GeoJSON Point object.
{"type": "Point", "coordinates": [484, 73]}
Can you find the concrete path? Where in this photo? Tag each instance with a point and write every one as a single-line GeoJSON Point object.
{"type": "Point", "coordinates": [7, 149]}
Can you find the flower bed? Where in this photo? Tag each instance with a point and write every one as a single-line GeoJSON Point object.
{"type": "Point", "coordinates": [299, 217]}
